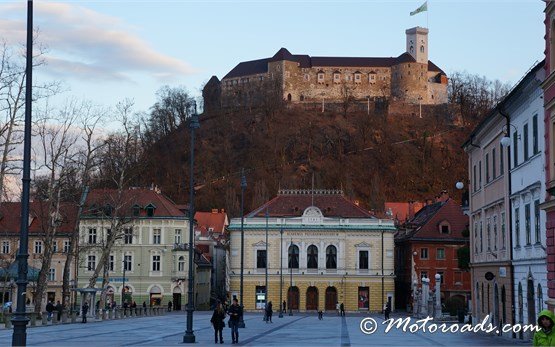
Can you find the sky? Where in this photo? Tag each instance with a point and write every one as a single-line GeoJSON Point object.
{"type": "Point", "coordinates": [106, 51]}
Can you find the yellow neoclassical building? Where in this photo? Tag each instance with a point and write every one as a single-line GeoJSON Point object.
{"type": "Point", "coordinates": [322, 248]}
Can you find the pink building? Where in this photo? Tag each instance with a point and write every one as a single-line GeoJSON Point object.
{"type": "Point", "coordinates": [549, 106]}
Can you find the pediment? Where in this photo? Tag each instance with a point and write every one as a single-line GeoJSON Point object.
{"type": "Point", "coordinates": [259, 244]}
{"type": "Point", "coordinates": [363, 244]}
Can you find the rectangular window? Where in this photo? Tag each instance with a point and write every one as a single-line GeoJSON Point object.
{"type": "Point", "coordinates": [501, 163]}
{"type": "Point", "coordinates": [5, 247]}
{"type": "Point", "coordinates": [363, 260]}
{"type": "Point", "coordinates": [495, 233]}
{"type": "Point", "coordinates": [423, 253]}
{"type": "Point", "coordinates": [481, 238]}
{"type": "Point", "coordinates": [535, 142]}
{"type": "Point", "coordinates": [261, 258]}
{"type": "Point", "coordinates": [92, 236]}
{"type": "Point", "coordinates": [493, 164]}
{"type": "Point", "coordinates": [525, 139]}
{"type": "Point", "coordinates": [458, 277]}
{"type": "Point", "coordinates": [156, 236]}
{"type": "Point", "coordinates": [128, 236]}
{"type": "Point", "coordinates": [517, 227]}
{"type": "Point", "coordinates": [475, 237]}
{"type": "Point", "coordinates": [363, 298]}
{"type": "Point", "coordinates": [487, 167]}
{"type": "Point", "coordinates": [177, 238]}
{"type": "Point", "coordinates": [480, 174]}
{"type": "Point", "coordinates": [440, 273]}
{"type": "Point", "coordinates": [537, 221]}
{"type": "Point", "coordinates": [503, 231]}
{"type": "Point", "coordinates": [111, 263]}
{"type": "Point", "coordinates": [475, 179]}
{"type": "Point", "coordinates": [38, 247]}
{"type": "Point", "coordinates": [52, 275]}
{"type": "Point", "coordinates": [527, 224]}
{"type": "Point", "coordinates": [440, 254]}
{"type": "Point", "coordinates": [91, 262]}
{"type": "Point", "coordinates": [423, 274]}
{"type": "Point", "coordinates": [488, 233]}
{"type": "Point", "coordinates": [155, 263]}
{"type": "Point", "coordinates": [515, 149]}
{"type": "Point", "coordinates": [128, 263]}
{"type": "Point", "coordinates": [54, 246]}
{"type": "Point", "coordinates": [66, 246]}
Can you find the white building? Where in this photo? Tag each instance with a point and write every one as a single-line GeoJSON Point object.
{"type": "Point", "coordinates": [527, 159]}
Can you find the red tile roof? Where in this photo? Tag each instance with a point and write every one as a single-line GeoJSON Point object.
{"type": "Point", "coordinates": [291, 203]}
{"type": "Point", "coordinates": [142, 197]}
{"type": "Point", "coordinates": [10, 218]}
{"type": "Point", "coordinates": [216, 220]}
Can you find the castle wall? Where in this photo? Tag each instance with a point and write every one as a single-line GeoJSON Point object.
{"type": "Point", "coordinates": [409, 82]}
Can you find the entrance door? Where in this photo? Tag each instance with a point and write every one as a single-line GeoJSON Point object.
{"type": "Point", "coordinates": [312, 299]}
{"type": "Point", "coordinates": [177, 301]}
{"type": "Point", "coordinates": [293, 298]}
{"type": "Point", "coordinates": [331, 298]}
{"type": "Point", "coordinates": [531, 302]}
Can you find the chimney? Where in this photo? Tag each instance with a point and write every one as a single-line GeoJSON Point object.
{"type": "Point", "coordinates": [444, 195]}
{"type": "Point", "coordinates": [214, 210]}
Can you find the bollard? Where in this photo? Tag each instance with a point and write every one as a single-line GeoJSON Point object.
{"type": "Point", "coordinates": [55, 319]}
{"type": "Point", "coordinates": [8, 320]}
{"type": "Point", "coordinates": [45, 318]}
{"type": "Point", "coordinates": [33, 316]}
{"type": "Point", "coordinates": [64, 317]}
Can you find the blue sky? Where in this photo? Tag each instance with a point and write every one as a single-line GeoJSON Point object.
{"type": "Point", "coordinates": [106, 51]}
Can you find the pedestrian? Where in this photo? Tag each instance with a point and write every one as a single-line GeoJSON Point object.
{"type": "Point", "coordinates": [387, 310]}
{"type": "Point", "coordinates": [269, 312]}
{"type": "Point", "coordinates": [50, 309]}
{"type": "Point", "coordinates": [284, 310]}
{"type": "Point", "coordinates": [337, 308]}
{"type": "Point", "coordinates": [169, 306]}
{"type": "Point", "coordinates": [218, 323]}
{"type": "Point", "coordinates": [235, 313]}
{"type": "Point", "coordinates": [114, 305]}
{"type": "Point", "coordinates": [320, 315]}
{"type": "Point", "coordinates": [133, 304]}
{"type": "Point", "coordinates": [85, 310]}
{"type": "Point", "coordinates": [342, 309]}
{"type": "Point", "coordinates": [59, 308]}
{"type": "Point", "coordinates": [545, 336]}
{"type": "Point", "coordinates": [144, 306]}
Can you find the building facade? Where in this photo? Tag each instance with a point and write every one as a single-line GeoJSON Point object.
{"type": "Point", "coordinates": [549, 122]}
{"type": "Point", "coordinates": [525, 109]}
{"type": "Point", "coordinates": [321, 250]}
{"type": "Point", "coordinates": [410, 77]}
{"type": "Point", "coordinates": [490, 238]}
{"type": "Point", "coordinates": [428, 244]}
{"type": "Point", "coordinates": [9, 242]}
{"type": "Point", "coordinates": [148, 260]}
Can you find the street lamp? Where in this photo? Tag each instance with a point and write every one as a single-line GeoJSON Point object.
{"type": "Point", "coordinates": [20, 320]}
{"type": "Point", "coordinates": [123, 286]}
{"type": "Point", "coordinates": [281, 274]}
{"type": "Point", "coordinates": [241, 323]}
{"type": "Point", "coordinates": [189, 336]}
{"type": "Point", "coordinates": [290, 291]}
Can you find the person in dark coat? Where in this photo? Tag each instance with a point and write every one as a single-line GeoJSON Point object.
{"type": "Point", "coordinates": [342, 309]}
{"type": "Point", "coordinates": [144, 306]}
{"type": "Point", "coordinates": [269, 312]}
{"type": "Point", "coordinates": [284, 310]}
{"type": "Point", "coordinates": [85, 310]}
{"type": "Point", "coordinates": [59, 308]}
{"type": "Point", "coordinates": [235, 313]}
{"type": "Point", "coordinates": [387, 310]}
{"type": "Point", "coordinates": [218, 323]}
{"type": "Point", "coordinates": [170, 306]}
{"type": "Point", "coordinates": [50, 309]}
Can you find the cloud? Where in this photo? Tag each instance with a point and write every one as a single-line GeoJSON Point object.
{"type": "Point", "coordinates": [85, 44]}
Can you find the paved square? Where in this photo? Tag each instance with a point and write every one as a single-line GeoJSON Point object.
{"type": "Point", "coordinates": [297, 330]}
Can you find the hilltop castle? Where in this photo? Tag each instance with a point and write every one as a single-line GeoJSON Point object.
{"type": "Point", "coordinates": [410, 78]}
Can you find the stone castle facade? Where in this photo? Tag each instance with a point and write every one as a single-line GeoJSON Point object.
{"type": "Point", "coordinates": [410, 78]}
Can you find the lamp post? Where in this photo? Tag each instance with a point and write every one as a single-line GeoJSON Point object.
{"type": "Point", "coordinates": [266, 270]}
{"type": "Point", "coordinates": [123, 279]}
{"type": "Point", "coordinates": [189, 336]}
{"type": "Point", "coordinates": [290, 291]}
{"type": "Point", "coordinates": [243, 187]}
{"type": "Point", "coordinates": [281, 274]}
{"type": "Point", "coordinates": [20, 320]}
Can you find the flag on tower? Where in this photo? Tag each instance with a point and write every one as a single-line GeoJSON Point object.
{"type": "Point", "coordinates": [422, 8]}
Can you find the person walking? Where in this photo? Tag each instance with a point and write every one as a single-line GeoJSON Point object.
{"type": "Point", "coordinates": [50, 309]}
{"type": "Point", "coordinates": [144, 306]}
{"type": "Point", "coordinates": [387, 310]}
{"type": "Point", "coordinates": [169, 306]}
{"type": "Point", "coordinates": [545, 336]}
{"type": "Point", "coordinates": [234, 315]}
{"type": "Point", "coordinates": [59, 308]}
{"type": "Point", "coordinates": [320, 315]}
{"type": "Point", "coordinates": [85, 310]}
{"type": "Point", "coordinates": [337, 308]}
{"type": "Point", "coordinates": [284, 310]}
{"type": "Point", "coordinates": [269, 312]}
{"type": "Point", "coordinates": [342, 309]}
{"type": "Point", "coordinates": [218, 323]}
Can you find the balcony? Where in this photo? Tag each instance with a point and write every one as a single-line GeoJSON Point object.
{"type": "Point", "coordinates": [180, 247]}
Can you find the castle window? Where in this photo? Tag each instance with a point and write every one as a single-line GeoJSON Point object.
{"type": "Point", "coordinates": [372, 77]}
{"type": "Point", "coordinates": [357, 77]}
{"type": "Point", "coordinates": [336, 77]}
{"type": "Point", "coordinates": [421, 49]}
{"type": "Point", "coordinates": [287, 74]}
{"type": "Point", "coordinates": [306, 77]}
{"type": "Point", "coordinates": [412, 49]}
{"type": "Point", "coordinates": [261, 78]}
{"type": "Point", "coordinates": [302, 97]}
{"type": "Point", "coordinates": [289, 97]}
{"type": "Point", "coordinates": [320, 77]}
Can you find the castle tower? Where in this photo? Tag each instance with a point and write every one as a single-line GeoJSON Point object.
{"type": "Point", "coordinates": [417, 44]}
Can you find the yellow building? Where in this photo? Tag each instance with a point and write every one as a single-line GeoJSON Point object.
{"type": "Point", "coordinates": [322, 248]}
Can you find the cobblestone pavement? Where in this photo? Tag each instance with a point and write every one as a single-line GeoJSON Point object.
{"type": "Point", "coordinates": [296, 330]}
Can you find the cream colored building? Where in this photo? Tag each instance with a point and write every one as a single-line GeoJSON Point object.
{"type": "Point", "coordinates": [324, 248]}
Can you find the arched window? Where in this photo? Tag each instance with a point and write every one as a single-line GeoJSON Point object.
{"type": "Point", "coordinates": [422, 49]}
{"type": "Point", "coordinates": [289, 97]}
{"type": "Point", "coordinates": [181, 264]}
{"type": "Point", "coordinates": [302, 97]}
{"type": "Point", "coordinates": [331, 257]}
{"type": "Point", "coordinates": [293, 257]}
{"type": "Point", "coordinates": [540, 298]}
{"type": "Point", "coordinates": [312, 259]}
